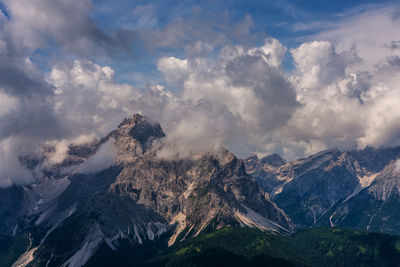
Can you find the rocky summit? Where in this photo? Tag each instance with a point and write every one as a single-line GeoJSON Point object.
{"type": "Point", "coordinates": [66, 218]}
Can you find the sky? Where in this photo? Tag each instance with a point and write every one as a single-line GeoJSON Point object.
{"type": "Point", "coordinates": [286, 77]}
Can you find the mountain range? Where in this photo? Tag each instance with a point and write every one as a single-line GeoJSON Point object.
{"type": "Point", "coordinates": [140, 197]}
{"type": "Point", "coordinates": [80, 211]}
{"type": "Point", "coordinates": [352, 189]}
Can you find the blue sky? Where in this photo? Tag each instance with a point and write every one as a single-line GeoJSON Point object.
{"type": "Point", "coordinates": [291, 22]}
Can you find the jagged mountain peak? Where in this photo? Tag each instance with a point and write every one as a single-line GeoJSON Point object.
{"type": "Point", "coordinates": [274, 160]}
{"type": "Point", "coordinates": [208, 189]}
{"type": "Point", "coordinates": [136, 118]}
{"type": "Point", "coordinates": [140, 128]}
{"type": "Point", "coordinates": [268, 163]}
{"type": "Point", "coordinates": [135, 136]}
{"type": "Point", "coordinates": [357, 188]}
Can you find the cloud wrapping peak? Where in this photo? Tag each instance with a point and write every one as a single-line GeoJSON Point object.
{"type": "Point", "coordinates": [103, 159]}
{"type": "Point", "coordinates": [11, 171]}
{"type": "Point", "coordinates": [216, 92]}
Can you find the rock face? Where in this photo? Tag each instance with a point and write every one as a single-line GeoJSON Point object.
{"type": "Point", "coordinates": [265, 171]}
{"type": "Point", "coordinates": [374, 208]}
{"type": "Point", "coordinates": [134, 136]}
{"type": "Point", "coordinates": [139, 198]}
{"type": "Point", "coordinates": [319, 190]}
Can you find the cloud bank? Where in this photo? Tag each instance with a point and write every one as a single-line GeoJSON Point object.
{"type": "Point", "coordinates": [220, 90]}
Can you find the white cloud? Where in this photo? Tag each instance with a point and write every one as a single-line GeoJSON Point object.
{"type": "Point", "coordinates": [61, 148]}
{"type": "Point", "coordinates": [340, 94]}
{"type": "Point", "coordinates": [29, 105]}
{"type": "Point", "coordinates": [342, 106]}
{"type": "Point", "coordinates": [272, 52]}
{"type": "Point", "coordinates": [238, 98]}
{"type": "Point", "coordinates": [174, 69]}
{"type": "Point", "coordinates": [370, 31]}
{"type": "Point", "coordinates": [87, 97]}
{"type": "Point", "coordinates": [67, 23]}
{"type": "Point", "coordinates": [102, 160]}
{"type": "Point", "coordinates": [11, 171]}
{"type": "Point", "coordinates": [7, 104]}
{"type": "Point", "coordinates": [317, 64]}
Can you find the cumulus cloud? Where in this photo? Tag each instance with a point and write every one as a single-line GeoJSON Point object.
{"type": "Point", "coordinates": [61, 147]}
{"type": "Point", "coordinates": [103, 159]}
{"type": "Point", "coordinates": [318, 64]}
{"type": "Point", "coordinates": [26, 110]}
{"type": "Point", "coordinates": [220, 91]}
{"type": "Point", "coordinates": [345, 103]}
{"type": "Point", "coordinates": [372, 30]}
{"type": "Point", "coordinates": [30, 107]}
{"type": "Point", "coordinates": [238, 98]}
{"type": "Point", "coordinates": [86, 96]}
{"type": "Point", "coordinates": [11, 171]}
{"type": "Point", "coordinates": [174, 69]}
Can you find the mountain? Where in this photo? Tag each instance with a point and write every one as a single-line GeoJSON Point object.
{"type": "Point", "coordinates": [265, 170]}
{"type": "Point", "coordinates": [374, 208]}
{"type": "Point", "coordinates": [117, 200]}
{"type": "Point", "coordinates": [78, 210]}
{"type": "Point", "coordinates": [335, 188]}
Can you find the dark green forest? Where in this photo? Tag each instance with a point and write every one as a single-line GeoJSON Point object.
{"type": "Point", "coordinates": [235, 246]}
